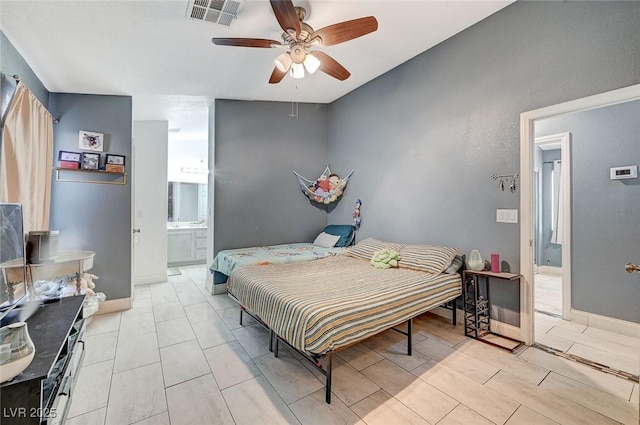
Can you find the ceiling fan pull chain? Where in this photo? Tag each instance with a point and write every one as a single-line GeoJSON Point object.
{"type": "Point", "coordinates": [296, 101]}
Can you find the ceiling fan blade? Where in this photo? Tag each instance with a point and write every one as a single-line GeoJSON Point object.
{"type": "Point", "coordinates": [286, 15]}
{"type": "Point", "coordinates": [345, 31]}
{"type": "Point", "coordinates": [276, 76]}
{"type": "Point", "coordinates": [246, 42]}
{"type": "Point", "coordinates": [330, 66]}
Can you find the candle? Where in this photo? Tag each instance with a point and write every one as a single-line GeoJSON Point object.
{"type": "Point", "coordinates": [495, 262]}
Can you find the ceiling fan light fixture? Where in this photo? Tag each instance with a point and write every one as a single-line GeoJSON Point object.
{"type": "Point", "coordinates": [298, 36]}
{"type": "Point", "coordinates": [283, 62]}
{"type": "Point", "coordinates": [297, 70]}
{"type": "Point", "coordinates": [315, 41]}
{"type": "Point", "coordinates": [311, 63]}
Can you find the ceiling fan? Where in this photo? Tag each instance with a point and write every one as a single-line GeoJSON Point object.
{"type": "Point", "coordinates": [299, 37]}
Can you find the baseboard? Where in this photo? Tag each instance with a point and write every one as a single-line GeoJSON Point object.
{"type": "Point", "coordinates": [111, 306]}
{"type": "Point", "coordinates": [208, 284]}
{"type": "Point", "coordinates": [505, 330]}
{"type": "Point", "coordinates": [443, 312]}
{"type": "Point", "coordinates": [605, 323]}
{"type": "Point", "coordinates": [153, 278]}
{"type": "Point", "coordinates": [556, 271]}
{"type": "Point", "coordinates": [497, 326]}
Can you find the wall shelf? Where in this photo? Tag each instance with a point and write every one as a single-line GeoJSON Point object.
{"type": "Point", "coordinates": [89, 176]}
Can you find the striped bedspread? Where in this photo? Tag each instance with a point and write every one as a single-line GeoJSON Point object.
{"type": "Point", "coordinates": [319, 306]}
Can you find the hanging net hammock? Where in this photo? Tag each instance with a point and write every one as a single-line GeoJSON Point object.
{"type": "Point", "coordinates": [325, 189]}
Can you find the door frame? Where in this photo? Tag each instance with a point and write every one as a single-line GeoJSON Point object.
{"type": "Point", "coordinates": [527, 138]}
{"type": "Point", "coordinates": [564, 141]}
{"type": "Point", "coordinates": [133, 209]}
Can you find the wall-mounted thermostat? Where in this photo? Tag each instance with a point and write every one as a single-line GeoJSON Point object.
{"type": "Point", "coordinates": [628, 172]}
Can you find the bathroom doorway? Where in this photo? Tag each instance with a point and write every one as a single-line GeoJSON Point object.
{"type": "Point", "coordinates": [187, 203]}
{"type": "Point", "coordinates": [599, 322]}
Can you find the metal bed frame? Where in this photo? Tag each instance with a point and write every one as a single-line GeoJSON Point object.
{"type": "Point", "coordinates": [315, 359]}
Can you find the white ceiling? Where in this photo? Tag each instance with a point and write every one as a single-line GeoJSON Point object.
{"type": "Point", "coordinates": [151, 51]}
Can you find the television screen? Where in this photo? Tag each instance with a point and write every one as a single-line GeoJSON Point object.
{"type": "Point", "coordinates": [12, 257]}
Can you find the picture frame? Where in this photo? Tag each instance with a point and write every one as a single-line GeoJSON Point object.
{"type": "Point", "coordinates": [90, 161]}
{"type": "Point", "coordinates": [69, 156]}
{"type": "Point", "coordinates": [90, 141]}
{"type": "Point", "coordinates": [115, 159]}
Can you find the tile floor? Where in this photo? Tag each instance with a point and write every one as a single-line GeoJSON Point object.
{"type": "Point", "coordinates": [181, 357]}
{"type": "Point", "coordinates": [607, 348]}
{"type": "Point", "coordinates": [548, 293]}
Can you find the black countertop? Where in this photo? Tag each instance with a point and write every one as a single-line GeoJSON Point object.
{"type": "Point", "coordinates": [49, 327]}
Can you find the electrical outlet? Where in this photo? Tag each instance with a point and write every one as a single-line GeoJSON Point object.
{"type": "Point", "coordinates": [506, 216]}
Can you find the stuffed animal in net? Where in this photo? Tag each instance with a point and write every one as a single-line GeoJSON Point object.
{"type": "Point", "coordinates": [325, 189]}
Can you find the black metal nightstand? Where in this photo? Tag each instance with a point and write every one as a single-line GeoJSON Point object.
{"type": "Point", "coordinates": [477, 304]}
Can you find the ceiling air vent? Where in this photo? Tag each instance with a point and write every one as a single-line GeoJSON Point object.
{"type": "Point", "coordinates": [221, 12]}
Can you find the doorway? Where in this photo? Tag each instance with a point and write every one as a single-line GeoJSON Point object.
{"type": "Point", "coordinates": [598, 322]}
{"type": "Point", "coordinates": [187, 202]}
{"type": "Point", "coordinates": [177, 150]}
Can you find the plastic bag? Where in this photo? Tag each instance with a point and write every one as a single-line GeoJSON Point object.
{"type": "Point", "coordinates": [92, 304]}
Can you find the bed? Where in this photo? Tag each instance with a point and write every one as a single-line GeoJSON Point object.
{"type": "Point", "coordinates": [323, 246]}
{"type": "Point", "coordinates": [319, 307]}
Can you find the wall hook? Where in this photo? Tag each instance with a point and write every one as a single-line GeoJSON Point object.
{"type": "Point", "coordinates": [509, 178]}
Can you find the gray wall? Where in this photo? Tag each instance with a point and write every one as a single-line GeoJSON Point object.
{"type": "Point", "coordinates": [12, 63]}
{"type": "Point", "coordinates": [605, 219]}
{"type": "Point", "coordinates": [425, 137]}
{"type": "Point", "coordinates": [550, 254]}
{"type": "Point", "coordinates": [257, 148]}
{"type": "Point", "coordinates": [95, 217]}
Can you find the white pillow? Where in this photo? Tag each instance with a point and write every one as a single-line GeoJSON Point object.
{"type": "Point", "coordinates": [326, 240]}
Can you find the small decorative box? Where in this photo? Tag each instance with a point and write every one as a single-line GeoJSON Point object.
{"type": "Point", "coordinates": [69, 164]}
{"type": "Point", "coordinates": [115, 168]}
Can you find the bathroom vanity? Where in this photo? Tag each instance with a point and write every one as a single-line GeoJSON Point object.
{"type": "Point", "coordinates": [186, 244]}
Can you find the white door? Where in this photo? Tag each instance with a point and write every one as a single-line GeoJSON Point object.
{"type": "Point", "coordinates": [150, 143]}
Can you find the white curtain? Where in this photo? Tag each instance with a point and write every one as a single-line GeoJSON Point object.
{"type": "Point", "coordinates": [556, 235]}
{"type": "Point", "coordinates": [26, 158]}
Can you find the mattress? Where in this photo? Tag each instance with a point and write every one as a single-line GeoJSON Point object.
{"type": "Point", "coordinates": [228, 260]}
{"type": "Point", "coordinates": [320, 306]}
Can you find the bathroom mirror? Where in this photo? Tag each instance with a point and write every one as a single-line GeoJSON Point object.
{"type": "Point", "coordinates": [187, 202]}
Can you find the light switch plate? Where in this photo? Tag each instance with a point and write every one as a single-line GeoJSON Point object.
{"type": "Point", "coordinates": [506, 215]}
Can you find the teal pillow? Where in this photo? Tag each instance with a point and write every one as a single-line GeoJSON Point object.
{"type": "Point", "coordinates": [345, 231]}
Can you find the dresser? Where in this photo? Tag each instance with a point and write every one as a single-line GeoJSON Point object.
{"type": "Point", "coordinates": [42, 393]}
